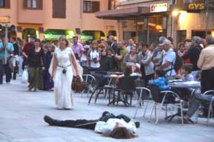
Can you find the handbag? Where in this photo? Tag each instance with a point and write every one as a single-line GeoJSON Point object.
{"type": "Point", "coordinates": [78, 85]}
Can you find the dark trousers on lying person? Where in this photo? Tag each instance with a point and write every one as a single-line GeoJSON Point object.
{"type": "Point", "coordinates": [88, 124]}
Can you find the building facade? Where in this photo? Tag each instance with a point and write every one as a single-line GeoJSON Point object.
{"type": "Point", "coordinates": [51, 18]}
{"type": "Point", "coordinates": [146, 20]}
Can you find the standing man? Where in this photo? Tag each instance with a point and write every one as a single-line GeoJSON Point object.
{"type": "Point", "coordinates": [130, 45]}
{"type": "Point", "coordinates": [168, 59]}
{"type": "Point", "coordinates": [113, 44]}
{"type": "Point", "coordinates": [206, 64]}
{"type": "Point", "coordinates": [194, 52]}
{"type": "Point", "coordinates": [5, 51]}
{"type": "Point", "coordinates": [27, 48]}
{"type": "Point", "coordinates": [77, 48]}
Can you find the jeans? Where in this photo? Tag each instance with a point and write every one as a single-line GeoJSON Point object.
{"type": "Point", "coordinates": [196, 100]}
{"type": "Point", "coordinates": [4, 69]}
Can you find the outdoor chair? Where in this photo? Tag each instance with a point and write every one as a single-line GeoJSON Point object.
{"type": "Point", "coordinates": [101, 81]}
{"type": "Point", "coordinates": [144, 95]}
{"type": "Point", "coordinates": [125, 89]}
{"type": "Point", "coordinates": [165, 98]}
{"type": "Point", "coordinates": [210, 106]}
{"type": "Point", "coordinates": [91, 80]}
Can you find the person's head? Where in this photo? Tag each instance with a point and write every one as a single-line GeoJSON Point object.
{"type": "Point", "coordinates": [63, 41]}
{"type": "Point", "coordinates": [145, 47]}
{"type": "Point", "coordinates": [128, 70]}
{"type": "Point", "coordinates": [37, 42]}
{"type": "Point", "coordinates": [160, 73]}
{"type": "Point", "coordinates": [120, 44]}
{"type": "Point", "coordinates": [120, 133]}
{"type": "Point", "coordinates": [13, 39]}
{"type": "Point", "coordinates": [110, 38]}
{"type": "Point", "coordinates": [209, 40]}
{"type": "Point", "coordinates": [187, 44]}
{"type": "Point", "coordinates": [197, 40]}
{"type": "Point", "coordinates": [133, 50]}
{"type": "Point", "coordinates": [32, 39]}
{"type": "Point", "coordinates": [104, 52]}
{"type": "Point", "coordinates": [94, 45]}
{"type": "Point", "coordinates": [186, 69]}
{"type": "Point", "coordinates": [75, 39]}
{"type": "Point", "coordinates": [131, 41]}
{"type": "Point", "coordinates": [170, 39]}
{"type": "Point", "coordinates": [166, 44]}
{"type": "Point", "coordinates": [109, 52]}
{"type": "Point", "coordinates": [152, 47]}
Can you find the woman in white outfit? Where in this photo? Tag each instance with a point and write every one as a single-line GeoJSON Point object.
{"type": "Point", "coordinates": [62, 73]}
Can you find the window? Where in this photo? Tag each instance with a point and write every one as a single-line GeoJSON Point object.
{"type": "Point", "coordinates": [112, 4]}
{"type": "Point", "coordinates": [59, 9]}
{"type": "Point", "coordinates": [91, 6]}
{"type": "Point", "coordinates": [33, 4]}
{"type": "Point", "coordinates": [4, 3]}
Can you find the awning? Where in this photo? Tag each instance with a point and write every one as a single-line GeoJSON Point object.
{"type": "Point", "coordinates": [123, 13]}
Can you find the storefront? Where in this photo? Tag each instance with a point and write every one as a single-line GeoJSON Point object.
{"type": "Point", "coordinates": [194, 18]}
{"type": "Point", "coordinates": [142, 23]}
{"type": "Point", "coordinates": [54, 34]}
{"type": "Point", "coordinates": [89, 35]}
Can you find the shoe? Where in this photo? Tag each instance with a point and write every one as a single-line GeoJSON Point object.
{"type": "Point", "coordinates": [49, 120]}
{"type": "Point", "coordinates": [137, 124]}
{"type": "Point", "coordinates": [187, 120]}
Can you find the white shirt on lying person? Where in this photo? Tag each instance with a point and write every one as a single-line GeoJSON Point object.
{"type": "Point", "coordinates": [105, 127]}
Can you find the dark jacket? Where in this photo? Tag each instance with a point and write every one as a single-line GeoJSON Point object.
{"type": "Point", "coordinates": [193, 53]}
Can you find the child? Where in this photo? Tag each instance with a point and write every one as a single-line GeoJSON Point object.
{"type": "Point", "coordinates": [161, 81]}
{"type": "Point", "coordinates": [186, 73]}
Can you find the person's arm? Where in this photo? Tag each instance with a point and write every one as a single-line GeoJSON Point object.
{"type": "Point", "coordinates": [167, 64]}
{"type": "Point", "coordinates": [201, 60]}
{"type": "Point", "coordinates": [54, 65]}
{"type": "Point", "coordinates": [188, 53]}
{"type": "Point", "coordinates": [147, 60]}
{"type": "Point", "coordinates": [74, 62]}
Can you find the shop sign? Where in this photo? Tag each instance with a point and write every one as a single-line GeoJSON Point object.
{"type": "Point", "coordinates": [195, 5]}
{"type": "Point", "coordinates": [4, 19]}
{"type": "Point", "coordinates": [161, 7]}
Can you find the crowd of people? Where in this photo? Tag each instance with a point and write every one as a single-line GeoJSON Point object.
{"type": "Point", "coordinates": [52, 64]}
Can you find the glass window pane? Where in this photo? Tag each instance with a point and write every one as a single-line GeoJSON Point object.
{"type": "Point", "coordinates": [28, 3]}
{"type": "Point", "coordinates": [34, 4]}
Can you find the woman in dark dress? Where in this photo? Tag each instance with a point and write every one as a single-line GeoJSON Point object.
{"type": "Point", "coordinates": [48, 82]}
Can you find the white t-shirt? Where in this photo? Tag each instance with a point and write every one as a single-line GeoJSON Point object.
{"type": "Point", "coordinates": [94, 54]}
{"type": "Point", "coordinates": [105, 127]}
{"type": "Point", "coordinates": [170, 56]}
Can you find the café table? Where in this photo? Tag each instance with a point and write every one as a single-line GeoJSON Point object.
{"type": "Point", "coordinates": [187, 86]}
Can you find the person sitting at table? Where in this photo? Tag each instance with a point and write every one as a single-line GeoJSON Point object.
{"type": "Point", "coordinates": [119, 127]}
{"type": "Point", "coordinates": [197, 99]}
{"type": "Point", "coordinates": [160, 80]}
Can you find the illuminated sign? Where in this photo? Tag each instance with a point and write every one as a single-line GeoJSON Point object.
{"type": "Point", "coordinates": [161, 7]}
{"type": "Point", "coordinates": [196, 6]}
{"type": "Point", "coordinates": [4, 19]}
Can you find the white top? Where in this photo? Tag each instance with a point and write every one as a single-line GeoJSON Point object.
{"type": "Point", "coordinates": [105, 127]}
{"type": "Point", "coordinates": [94, 54]}
{"type": "Point", "coordinates": [129, 47]}
{"type": "Point", "coordinates": [170, 56]}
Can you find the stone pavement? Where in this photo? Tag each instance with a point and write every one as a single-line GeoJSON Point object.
{"type": "Point", "coordinates": [21, 120]}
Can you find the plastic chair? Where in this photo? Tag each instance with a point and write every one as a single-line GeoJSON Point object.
{"type": "Point", "coordinates": [165, 98]}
